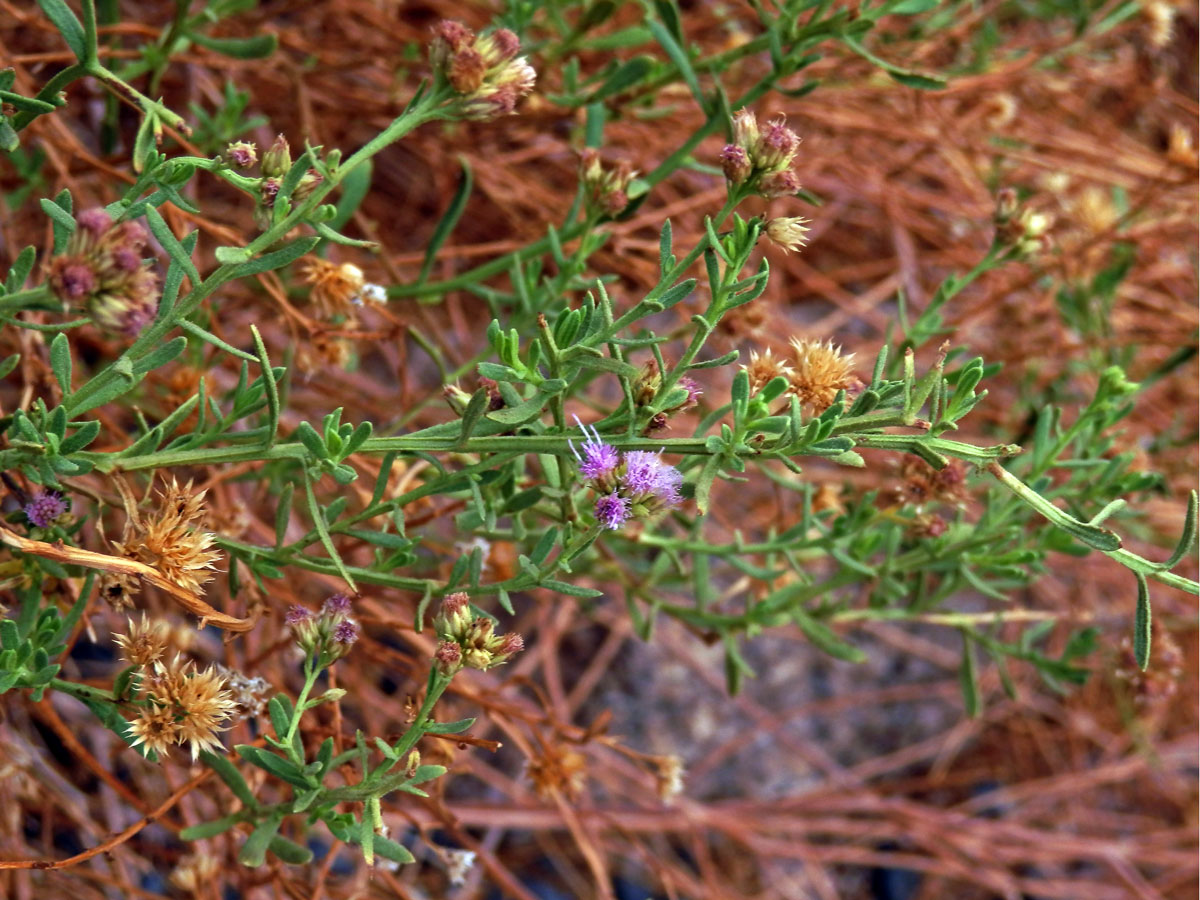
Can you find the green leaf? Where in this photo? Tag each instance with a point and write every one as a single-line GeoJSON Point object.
{"type": "Point", "coordinates": [210, 829]}
{"type": "Point", "coordinates": [449, 219]}
{"type": "Point", "coordinates": [605, 364]}
{"type": "Point", "coordinates": [229, 774]}
{"type": "Point", "coordinates": [64, 222]}
{"type": "Point", "coordinates": [289, 851]}
{"type": "Point", "coordinates": [239, 48]}
{"type": "Point", "coordinates": [162, 232]}
{"type": "Point", "coordinates": [277, 259]}
{"type": "Point", "coordinates": [448, 727]}
{"type": "Point", "coordinates": [1141, 626]}
{"type": "Point", "coordinates": [254, 851]}
{"type": "Point", "coordinates": [678, 56]}
{"type": "Point", "coordinates": [60, 362]}
{"type": "Point", "coordinates": [626, 76]}
{"type": "Point", "coordinates": [391, 851]}
{"type": "Point", "coordinates": [571, 590]}
{"type": "Point", "coordinates": [276, 765]}
{"type": "Point", "coordinates": [823, 637]}
{"type": "Point", "coordinates": [160, 356]}
{"type": "Point", "coordinates": [272, 390]}
{"type": "Point", "coordinates": [68, 26]}
{"type": "Point", "coordinates": [968, 677]}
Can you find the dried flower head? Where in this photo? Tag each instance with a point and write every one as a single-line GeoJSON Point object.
{"type": "Point", "coordinates": [790, 233]}
{"type": "Point", "coordinates": [922, 485]}
{"type": "Point", "coordinates": [44, 507]}
{"type": "Point", "coordinates": [557, 770]}
{"type": "Point", "coordinates": [819, 371]}
{"type": "Point", "coordinates": [1181, 149]}
{"type": "Point", "coordinates": [194, 871]}
{"type": "Point", "coordinates": [169, 539]}
{"type": "Point", "coordinates": [197, 705]}
{"type": "Point", "coordinates": [336, 288]}
{"type": "Point", "coordinates": [1160, 16]}
{"type": "Point", "coordinates": [458, 864]}
{"type": "Point", "coordinates": [145, 643]}
{"type": "Point", "coordinates": [101, 273]}
{"type": "Point", "coordinates": [155, 726]}
{"type": "Point", "coordinates": [485, 71]}
{"type": "Point", "coordinates": [763, 368]}
{"type": "Point", "coordinates": [668, 776]}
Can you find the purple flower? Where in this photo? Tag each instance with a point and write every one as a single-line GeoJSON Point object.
{"type": "Point", "coordinates": [45, 507]}
{"type": "Point", "coordinates": [336, 606]}
{"type": "Point", "coordinates": [346, 631]}
{"type": "Point", "coordinates": [642, 471]}
{"type": "Point", "coordinates": [297, 615]}
{"type": "Point", "coordinates": [646, 475]}
{"type": "Point", "coordinates": [599, 459]}
{"type": "Point", "coordinates": [667, 488]}
{"type": "Point", "coordinates": [693, 391]}
{"type": "Point", "coordinates": [612, 510]}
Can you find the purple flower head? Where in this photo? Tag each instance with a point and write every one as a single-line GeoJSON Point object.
{"type": "Point", "coordinates": [642, 471]}
{"type": "Point", "coordinates": [598, 459]}
{"type": "Point", "coordinates": [346, 632]}
{"type": "Point", "coordinates": [45, 507]}
{"type": "Point", "coordinates": [612, 510]}
{"type": "Point", "coordinates": [337, 606]}
{"type": "Point", "coordinates": [646, 475]}
{"type": "Point", "coordinates": [693, 391]}
{"type": "Point", "coordinates": [297, 615]}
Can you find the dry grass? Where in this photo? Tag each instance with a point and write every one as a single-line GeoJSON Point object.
{"type": "Point", "coordinates": [791, 794]}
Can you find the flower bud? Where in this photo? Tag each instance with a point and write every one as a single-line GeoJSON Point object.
{"type": "Point", "coordinates": [449, 658]}
{"type": "Point", "coordinates": [277, 160]}
{"type": "Point", "coordinates": [308, 183]}
{"type": "Point", "coordinates": [456, 617]}
{"type": "Point", "coordinates": [735, 163]}
{"type": "Point", "coordinates": [242, 154]}
{"type": "Point", "coordinates": [779, 184]}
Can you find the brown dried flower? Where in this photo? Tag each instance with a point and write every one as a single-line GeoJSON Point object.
{"type": "Point", "coordinates": [169, 539]}
{"type": "Point", "coordinates": [194, 871]}
{"type": "Point", "coordinates": [184, 707]}
{"type": "Point", "coordinates": [336, 288]}
{"type": "Point", "coordinates": [763, 368]}
{"type": "Point", "coordinates": [819, 372]}
{"type": "Point", "coordinates": [559, 769]}
{"type": "Point", "coordinates": [145, 643]}
{"type": "Point", "coordinates": [155, 727]}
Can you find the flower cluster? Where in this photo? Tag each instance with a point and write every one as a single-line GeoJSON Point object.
{"type": "Point", "coordinates": [327, 635]}
{"type": "Point", "coordinates": [606, 189]}
{"type": "Point", "coordinates": [102, 274]}
{"type": "Point", "coordinates": [45, 507]}
{"type": "Point", "coordinates": [468, 640]}
{"type": "Point", "coordinates": [276, 163]}
{"type": "Point", "coordinates": [760, 159]}
{"type": "Point", "coordinates": [632, 484]}
{"type": "Point", "coordinates": [816, 373]}
{"type": "Point", "coordinates": [180, 705]}
{"type": "Point", "coordinates": [484, 70]}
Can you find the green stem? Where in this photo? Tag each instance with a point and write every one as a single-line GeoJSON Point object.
{"type": "Point", "coordinates": [310, 678]}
